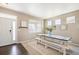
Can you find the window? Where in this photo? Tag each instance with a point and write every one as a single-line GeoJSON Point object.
{"type": "Point", "coordinates": [49, 22]}
{"type": "Point", "coordinates": [35, 26]}
{"type": "Point", "coordinates": [14, 30]}
{"type": "Point", "coordinates": [70, 20]}
{"type": "Point", "coordinates": [58, 22]}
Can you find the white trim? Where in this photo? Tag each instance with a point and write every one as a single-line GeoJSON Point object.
{"type": "Point", "coordinates": [14, 18]}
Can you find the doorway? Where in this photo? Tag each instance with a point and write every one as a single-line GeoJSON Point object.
{"type": "Point", "coordinates": [7, 31]}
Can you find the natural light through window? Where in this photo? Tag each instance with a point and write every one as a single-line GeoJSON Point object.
{"type": "Point", "coordinates": [58, 22]}
{"type": "Point", "coordinates": [14, 29]}
{"type": "Point", "coordinates": [49, 22]}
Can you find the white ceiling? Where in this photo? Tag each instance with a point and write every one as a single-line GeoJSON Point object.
{"type": "Point", "coordinates": [44, 10]}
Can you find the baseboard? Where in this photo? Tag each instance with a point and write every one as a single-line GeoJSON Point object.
{"type": "Point", "coordinates": [9, 44]}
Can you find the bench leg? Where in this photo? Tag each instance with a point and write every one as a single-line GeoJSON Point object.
{"type": "Point", "coordinates": [64, 51]}
{"type": "Point", "coordinates": [45, 46]}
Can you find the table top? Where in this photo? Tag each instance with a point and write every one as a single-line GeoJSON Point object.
{"type": "Point", "coordinates": [64, 38]}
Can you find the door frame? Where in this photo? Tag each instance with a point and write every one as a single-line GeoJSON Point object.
{"type": "Point", "coordinates": [14, 18]}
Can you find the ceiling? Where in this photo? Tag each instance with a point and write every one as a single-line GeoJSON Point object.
{"type": "Point", "coordinates": [44, 10]}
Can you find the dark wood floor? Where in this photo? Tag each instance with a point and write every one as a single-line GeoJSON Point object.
{"type": "Point", "coordinates": [14, 49]}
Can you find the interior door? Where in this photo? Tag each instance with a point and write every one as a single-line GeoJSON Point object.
{"type": "Point", "coordinates": [6, 36]}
